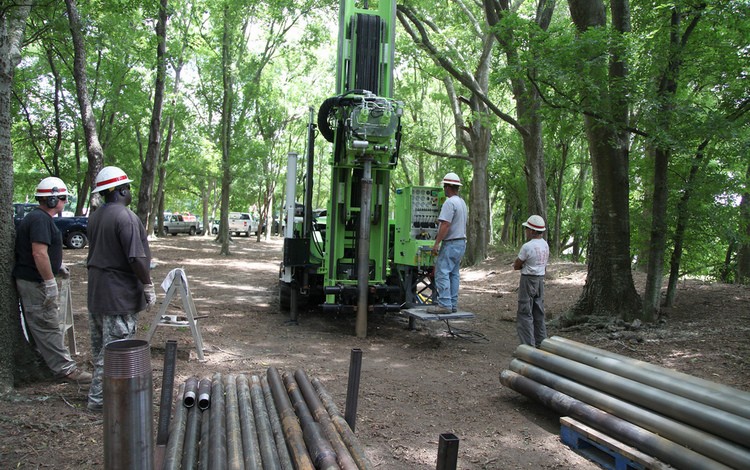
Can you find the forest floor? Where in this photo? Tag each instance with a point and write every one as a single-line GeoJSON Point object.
{"type": "Point", "coordinates": [415, 384]}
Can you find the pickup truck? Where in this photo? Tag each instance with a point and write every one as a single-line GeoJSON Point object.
{"type": "Point", "coordinates": [73, 228]}
{"type": "Point", "coordinates": [176, 223]}
{"type": "Point", "coordinates": [242, 223]}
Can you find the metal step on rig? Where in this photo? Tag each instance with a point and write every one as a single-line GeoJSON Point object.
{"type": "Point", "coordinates": [359, 258]}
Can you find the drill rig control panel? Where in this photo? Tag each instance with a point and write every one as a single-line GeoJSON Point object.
{"type": "Point", "coordinates": [416, 224]}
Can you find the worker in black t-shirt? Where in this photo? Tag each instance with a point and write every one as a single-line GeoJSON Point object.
{"type": "Point", "coordinates": [38, 260]}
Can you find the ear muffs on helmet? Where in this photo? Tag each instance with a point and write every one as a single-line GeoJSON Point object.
{"type": "Point", "coordinates": [53, 199]}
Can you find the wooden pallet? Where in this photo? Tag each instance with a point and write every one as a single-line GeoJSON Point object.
{"type": "Point", "coordinates": [606, 451]}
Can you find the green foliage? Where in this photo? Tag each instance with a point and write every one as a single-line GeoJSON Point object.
{"type": "Point", "coordinates": [283, 57]}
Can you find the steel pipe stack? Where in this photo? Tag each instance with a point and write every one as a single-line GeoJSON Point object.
{"type": "Point", "coordinates": [685, 421]}
{"type": "Point", "coordinates": [274, 422]}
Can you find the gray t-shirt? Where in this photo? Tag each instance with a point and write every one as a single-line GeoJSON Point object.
{"type": "Point", "coordinates": [116, 235]}
{"type": "Point", "coordinates": [535, 254]}
{"type": "Point", "coordinates": [454, 211]}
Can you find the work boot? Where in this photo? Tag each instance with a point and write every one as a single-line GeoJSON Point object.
{"type": "Point", "coordinates": [439, 310]}
{"type": "Point", "coordinates": [78, 376]}
{"type": "Point", "coordinates": [95, 407]}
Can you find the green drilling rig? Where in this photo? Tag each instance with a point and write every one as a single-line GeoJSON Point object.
{"type": "Point", "coordinates": [359, 259]}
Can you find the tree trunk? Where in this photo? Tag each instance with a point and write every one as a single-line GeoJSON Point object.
{"type": "Point", "coordinates": [743, 255]}
{"type": "Point", "coordinates": [226, 126]}
{"type": "Point", "coordinates": [609, 290]}
{"type": "Point", "coordinates": [477, 229]}
{"type": "Point", "coordinates": [12, 27]}
{"type": "Point", "coordinates": [93, 147]}
{"type": "Point", "coordinates": [683, 214]}
{"type": "Point", "coordinates": [556, 233]}
{"type": "Point", "coordinates": [149, 164]}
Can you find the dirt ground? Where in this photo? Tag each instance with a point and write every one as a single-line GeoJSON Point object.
{"type": "Point", "coordinates": [415, 384]}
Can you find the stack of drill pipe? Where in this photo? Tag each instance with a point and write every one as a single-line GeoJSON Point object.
{"type": "Point", "coordinates": [269, 423]}
{"type": "Point", "coordinates": [689, 415]}
{"type": "Point", "coordinates": [282, 451]}
{"type": "Point", "coordinates": [343, 457]}
{"type": "Point", "coordinates": [320, 448]}
{"type": "Point", "coordinates": [347, 435]}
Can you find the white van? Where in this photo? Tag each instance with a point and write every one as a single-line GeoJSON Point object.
{"type": "Point", "coordinates": [242, 223]}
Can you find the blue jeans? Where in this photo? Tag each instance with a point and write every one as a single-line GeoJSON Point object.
{"type": "Point", "coordinates": [447, 268]}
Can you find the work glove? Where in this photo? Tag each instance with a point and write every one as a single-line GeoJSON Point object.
{"type": "Point", "coordinates": [64, 272]}
{"type": "Point", "coordinates": [50, 293]}
{"type": "Point", "coordinates": [150, 293]}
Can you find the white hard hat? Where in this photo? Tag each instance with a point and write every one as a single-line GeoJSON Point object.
{"type": "Point", "coordinates": [50, 186]}
{"type": "Point", "coordinates": [452, 179]}
{"type": "Point", "coordinates": [536, 223]}
{"type": "Point", "coordinates": [110, 177]}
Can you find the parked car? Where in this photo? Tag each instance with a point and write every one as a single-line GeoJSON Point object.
{"type": "Point", "coordinates": [242, 223]}
{"type": "Point", "coordinates": [214, 226]}
{"type": "Point", "coordinates": [73, 229]}
{"type": "Point", "coordinates": [176, 223]}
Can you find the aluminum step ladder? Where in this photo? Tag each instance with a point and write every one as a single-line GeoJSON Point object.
{"type": "Point", "coordinates": [176, 284]}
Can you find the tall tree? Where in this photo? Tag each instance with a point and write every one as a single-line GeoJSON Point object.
{"type": "Point", "coordinates": [12, 28]}
{"type": "Point", "coordinates": [743, 255]}
{"type": "Point", "coordinates": [609, 288]}
{"type": "Point", "coordinates": [149, 164]}
{"type": "Point", "coordinates": [527, 98]}
{"type": "Point", "coordinates": [474, 134]}
{"type": "Point", "coordinates": [662, 151]}
{"type": "Point", "coordinates": [94, 150]}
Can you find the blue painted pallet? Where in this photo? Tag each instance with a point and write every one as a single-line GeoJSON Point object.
{"type": "Point", "coordinates": [608, 457]}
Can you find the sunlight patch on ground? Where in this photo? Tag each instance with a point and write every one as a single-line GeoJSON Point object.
{"type": "Point", "coordinates": [470, 275]}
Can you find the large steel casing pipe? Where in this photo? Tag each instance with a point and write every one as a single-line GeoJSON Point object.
{"type": "Point", "coordinates": [701, 441]}
{"type": "Point", "coordinates": [710, 393]}
{"type": "Point", "coordinates": [718, 422]}
{"type": "Point", "coordinates": [656, 445]}
{"type": "Point", "coordinates": [128, 405]}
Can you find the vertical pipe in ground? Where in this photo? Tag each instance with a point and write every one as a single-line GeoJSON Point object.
{"type": "Point", "coordinates": [447, 458]}
{"type": "Point", "coordinates": [352, 389]}
{"type": "Point", "coordinates": [128, 405]}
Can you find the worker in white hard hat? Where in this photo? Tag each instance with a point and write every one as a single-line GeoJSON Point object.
{"type": "Point", "coordinates": [39, 256]}
{"type": "Point", "coordinates": [449, 247]}
{"type": "Point", "coordinates": [119, 278]}
{"type": "Point", "coordinates": [532, 262]}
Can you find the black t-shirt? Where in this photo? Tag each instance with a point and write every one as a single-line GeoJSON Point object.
{"type": "Point", "coordinates": [116, 237]}
{"type": "Point", "coordinates": [38, 227]}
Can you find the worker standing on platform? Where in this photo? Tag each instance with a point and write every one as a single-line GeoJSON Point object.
{"type": "Point", "coordinates": [119, 279]}
{"type": "Point", "coordinates": [449, 247]}
{"type": "Point", "coordinates": [532, 262]}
